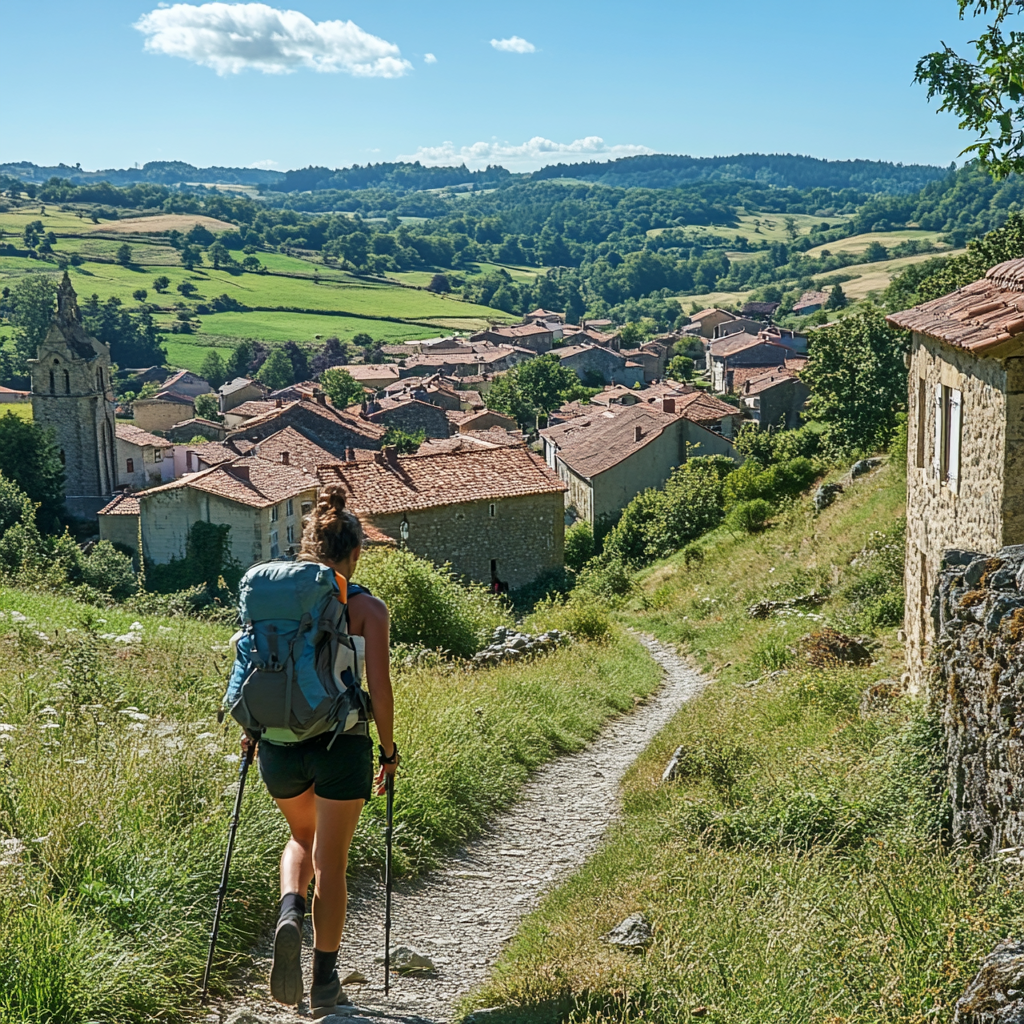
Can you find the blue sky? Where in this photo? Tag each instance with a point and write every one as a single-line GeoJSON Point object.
{"type": "Point", "coordinates": [113, 82]}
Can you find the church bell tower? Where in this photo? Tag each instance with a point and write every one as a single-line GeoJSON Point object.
{"type": "Point", "coordinates": [71, 393]}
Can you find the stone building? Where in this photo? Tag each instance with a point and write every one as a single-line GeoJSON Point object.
{"type": "Point", "coordinates": [495, 514]}
{"type": "Point", "coordinates": [727, 356]}
{"type": "Point", "coordinates": [119, 523]}
{"type": "Point", "coordinates": [594, 363]}
{"type": "Point", "coordinates": [71, 394]}
{"type": "Point", "coordinates": [775, 397]}
{"type": "Point", "coordinates": [334, 429]}
{"type": "Point", "coordinates": [410, 414]}
{"type": "Point", "coordinates": [262, 501]}
{"type": "Point", "coordinates": [965, 475]}
{"type": "Point", "coordinates": [235, 392]}
{"type": "Point", "coordinates": [613, 454]}
{"type": "Point", "coordinates": [162, 411]}
{"type": "Point", "coordinates": [143, 459]}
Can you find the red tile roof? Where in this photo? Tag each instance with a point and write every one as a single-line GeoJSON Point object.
{"type": "Point", "coordinates": [711, 309]}
{"type": "Point", "coordinates": [373, 371]}
{"type": "Point", "coordinates": [980, 317]}
{"type": "Point", "coordinates": [136, 435]}
{"type": "Point", "coordinates": [405, 483]}
{"type": "Point", "coordinates": [122, 505]}
{"type": "Point", "coordinates": [254, 407]}
{"type": "Point", "coordinates": [766, 381]}
{"type": "Point", "coordinates": [701, 407]}
{"type": "Point", "coordinates": [330, 415]}
{"type": "Point", "coordinates": [268, 482]}
{"type": "Point", "coordinates": [590, 445]}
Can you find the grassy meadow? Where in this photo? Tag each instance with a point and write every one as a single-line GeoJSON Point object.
{"type": "Point", "coordinates": [117, 785]}
{"type": "Point", "coordinates": [794, 871]}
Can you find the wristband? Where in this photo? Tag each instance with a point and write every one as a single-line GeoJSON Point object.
{"type": "Point", "coordinates": [384, 759]}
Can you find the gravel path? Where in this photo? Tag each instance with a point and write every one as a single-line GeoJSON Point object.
{"type": "Point", "coordinates": [461, 915]}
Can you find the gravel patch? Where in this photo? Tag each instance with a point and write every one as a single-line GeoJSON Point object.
{"type": "Point", "coordinates": [461, 915]}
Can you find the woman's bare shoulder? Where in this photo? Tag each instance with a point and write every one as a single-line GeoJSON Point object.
{"type": "Point", "coordinates": [365, 609]}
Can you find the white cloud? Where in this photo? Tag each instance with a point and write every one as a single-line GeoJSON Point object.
{"type": "Point", "coordinates": [265, 165]}
{"type": "Point", "coordinates": [514, 44]}
{"type": "Point", "coordinates": [429, 58]}
{"type": "Point", "coordinates": [231, 38]}
{"type": "Point", "coordinates": [527, 156]}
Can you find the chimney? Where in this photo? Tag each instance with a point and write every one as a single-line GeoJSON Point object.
{"type": "Point", "coordinates": [241, 472]}
{"type": "Point", "coordinates": [391, 454]}
{"type": "Point", "coordinates": [321, 398]}
{"type": "Point", "coordinates": [668, 405]}
{"type": "Point", "coordinates": [378, 458]}
{"type": "Point", "coordinates": [638, 433]}
{"type": "Point", "coordinates": [284, 458]}
{"type": "Point", "coordinates": [350, 454]}
{"type": "Point", "coordinates": [278, 402]}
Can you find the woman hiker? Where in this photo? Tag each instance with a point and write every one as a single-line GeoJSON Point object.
{"type": "Point", "coordinates": [321, 792]}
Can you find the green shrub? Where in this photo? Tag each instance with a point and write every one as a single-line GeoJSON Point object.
{"type": "Point", "coordinates": [429, 607]}
{"type": "Point", "coordinates": [579, 545]}
{"type": "Point", "coordinates": [775, 483]}
{"type": "Point", "coordinates": [749, 516]}
{"type": "Point", "coordinates": [874, 590]}
{"type": "Point", "coordinates": [607, 577]}
{"type": "Point", "coordinates": [107, 570]}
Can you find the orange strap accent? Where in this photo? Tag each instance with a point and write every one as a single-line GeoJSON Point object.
{"type": "Point", "coordinates": [342, 587]}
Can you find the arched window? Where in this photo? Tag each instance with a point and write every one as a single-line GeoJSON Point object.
{"type": "Point", "coordinates": [53, 384]}
{"type": "Point", "coordinates": [67, 383]}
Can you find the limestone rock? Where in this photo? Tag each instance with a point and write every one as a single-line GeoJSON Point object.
{"type": "Point", "coordinates": [863, 466]}
{"type": "Point", "coordinates": [829, 647]}
{"type": "Point", "coordinates": [243, 1017]}
{"type": "Point", "coordinates": [633, 934]}
{"type": "Point", "coordinates": [996, 993]}
{"type": "Point", "coordinates": [405, 960]}
{"type": "Point", "coordinates": [825, 495]}
{"type": "Point", "coordinates": [353, 978]}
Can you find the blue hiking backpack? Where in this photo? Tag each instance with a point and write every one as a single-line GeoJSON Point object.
{"type": "Point", "coordinates": [296, 666]}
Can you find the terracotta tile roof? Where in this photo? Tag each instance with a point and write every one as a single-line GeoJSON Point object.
{"type": "Point", "coordinates": [759, 308]}
{"type": "Point", "coordinates": [267, 484]}
{"type": "Point", "coordinates": [741, 374]}
{"type": "Point", "coordinates": [796, 363]}
{"type": "Point", "coordinates": [122, 505]}
{"type": "Point", "coordinates": [405, 483]}
{"type": "Point", "coordinates": [166, 396]}
{"type": "Point", "coordinates": [136, 435]}
{"type": "Point", "coordinates": [736, 343]}
{"type": "Point", "coordinates": [811, 299]}
{"type": "Point", "coordinates": [472, 417]}
{"type": "Point", "coordinates": [302, 452]}
{"type": "Point", "coordinates": [303, 389]}
{"type": "Point", "coordinates": [701, 407]}
{"type": "Point", "coordinates": [376, 538]}
{"type": "Point", "coordinates": [568, 351]}
{"type": "Point", "coordinates": [590, 445]}
{"type": "Point", "coordinates": [379, 371]}
{"type": "Point", "coordinates": [474, 398]}
{"type": "Point", "coordinates": [767, 381]}
{"type": "Point", "coordinates": [521, 330]}
{"type": "Point", "coordinates": [457, 416]}
{"type": "Point", "coordinates": [985, 315]}
{"type": "Point", "coordinates": [238, 384]}
{"type": "Point", "coordinates": [13, 391]}
{"type": "Point", "coordinates": [711, 309]}
{"type": "Point", "coordinates": [473, 441]}
{"type": "Point", "coordinates": [544, 313]}
{"type": "Point", "coordinates": [254, 407]}
{"type": "Point", "coordinates": [199, 421]}
{"type": "Point", "coordinates": [328, 416]}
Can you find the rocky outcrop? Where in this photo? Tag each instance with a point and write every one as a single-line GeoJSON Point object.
{"type": "Point", "coordinates": [994, 995]}
{"type": "Point", "coordinates": [508, 645]}
{"type": "Point", "coordinates": [979, 613]}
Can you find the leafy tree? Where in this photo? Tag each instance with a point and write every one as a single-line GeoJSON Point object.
{"type": "Point", "coordinates": [161, 284]}
{"type": "Point", "coordinates": [406, 442]}
{"type": "Point", "coordinates": [332, 354]}
{"type": "Point", "coordinates": [219, 255]}
{"type": "Point", "coordinates": [985, 93]}
{"type": "Point", "coordinates": [187, 288]}
{"type": "Point", "coordinates": [299, 360]}
{"type": "Point", "coordinates": [124, 254]}
{"type": "Point", "coordinates": [109, 571]}
{"type": "Point", "coordinates": [858, 381]}
{"type": "Point", "coordinates": [679, 368]}
{"type": "Point", "coordinates": [362, 339]}
{"type": "Point", "coordinates": [29, 458]}
{"type": "Point", "coordinates": [540, 385]}
{"type": "Point", "coordinates": [207, 407]}
{"type": "Point", "coordinates": [213, 370]}
{"type": "Point", "coordinates": [199, 235]}
{"type": "Point", "coordinates": [276, 371]}
{"type": "Point", "coordinates": [837, 298]}
{"type": "Point", "coordinates": [133, 340]}
{"type": "Point", "coordinates": [140, 295]}
{"type": "Point", "coordinates": [341, 387]}
{"type": "Point", "coordinates": [875, 253]}
{"type": "Point", "coordinates": [439, 283]}
{"type": "Point", "coordinates": [32, 301]}
{"type": "Point", "coordinates": [251, 265]}
{"type": "Point", "coordinates": [191, 257]}
{"type": "Point", "coordinates": [634, 335]}
{"type": "Point", "coordinates": [579, 545]}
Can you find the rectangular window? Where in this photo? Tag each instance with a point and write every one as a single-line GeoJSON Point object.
{"type": "Point", "coordinates": [922, 421]}
{"type": "Point", "coordinates": [273, 514]}
{"type": "Point", "coordinates": [275, 550]}
{"type": "Point", "coordinates": [307, 507]}
{"type": "Point", "coordinates": [158, 455]}
{"type": "Point", "coordinates": [130, 465]}
{"type": "Point", "coordinates": [490, 510]}
{"type": "Point", "coordinates": [290, 509]}
{"type": "Point", "coordinates": [290, 532]}
{"type": "Point", "coordinates": [948, 430]}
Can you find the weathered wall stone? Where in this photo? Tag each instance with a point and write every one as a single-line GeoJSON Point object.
{"type": "Point", "coordinates": [978, 613]}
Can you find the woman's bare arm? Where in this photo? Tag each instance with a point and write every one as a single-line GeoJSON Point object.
{"type": "Point", "coordinates": [368, 618]}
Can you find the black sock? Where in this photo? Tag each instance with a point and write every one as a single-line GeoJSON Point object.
{"type": "Point", "coordinates": [323, 966]}
{"type": "Point", "coordinates": [293, 905]}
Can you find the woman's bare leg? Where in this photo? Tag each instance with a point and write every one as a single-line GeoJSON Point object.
{"type": "Point", "coordinates": [336, 822]}
{"type": "Point", "coordinates": [297, 857]}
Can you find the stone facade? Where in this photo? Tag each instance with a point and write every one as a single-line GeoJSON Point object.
{"type": "Point", "coordinates": [982, 507]}
{"type": "Point", "coordinates": [515, 540]}
{"type": "Point", "coordinates": [161, 412]}
{"type": "Point", "coordinates": [413, 415]}
{"type": "Point", "coordinates": [71, 395]}
{"type": "Point", "coordinates": [978, 612]}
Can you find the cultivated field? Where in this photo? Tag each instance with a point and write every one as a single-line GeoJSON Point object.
{"type": "Point", "coordinates": [162, 222]}
{"type": "Point", "coordinates": [856, 244]}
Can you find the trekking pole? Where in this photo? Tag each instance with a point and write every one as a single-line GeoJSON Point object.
{"type": "Point", "coordinates": [243, 770]}
{"type": "Point", "coordinates": [389, 789]}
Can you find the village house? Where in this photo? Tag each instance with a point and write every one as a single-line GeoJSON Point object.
{"type": "Point", "coordinates": [595, 365]}
{"type": "Point", "coordinates": [544, 316]}
{"type": "Point", "coordinates": [374, 375]}
{"type": "Point", "coordinates": [287, 447]}
{"type": "Point", "coordinates": [143, 459]}
{"type": "Point", "coordinates": [485, 419]}
{"type": "Point", "coordinates": [736, 325]}
{"type": "Point", "coordinates": [466, 360]}
{"type": "Point", "coordinates": [775, 398]}
{"type": "Point", "coordinates": [810, 302]}
{"type": "Point", "coordinates": [336, 430]}
{"type": "Point", "coordinates": [742, 351]}
{"type": "Point", "coordinates": [11, 396]}
{"type": "Point", "coordinates": [496, 515]}
{"type": "Point", "coordinates": [119, 523]}
{"type": "Point", "coordinates": [537, 337]}
{"type": "Point", "coordinates": [965, 473]}
{"type": "Point", "coordinates": [239, 414]}
{"type": "Point", "coordinates": [162, 411]}
{"type": "Point", "coordinates": [472, 441]}
{"type": "Point", "coordinates": [294, 392]}
{"type": "Point", "coordinates": [409, 413]}
{"type": "Point", "coordinates": [237, 391]}
{"type": "Point", "coordinates": [615, 453]}
{"type": "Point", "coordinates": [705, 321]}
{"type": "Point", "coordinates": [759, 310]}
{"type": "Point", "coordinates": [186, 430]}
{"type": "Point", "coordinates": [261, 501]}
{"type": "Point", "coordinates": [190, 385]}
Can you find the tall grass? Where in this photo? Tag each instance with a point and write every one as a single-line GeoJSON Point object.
{"type": "Point", "coordinates": [116, 785]}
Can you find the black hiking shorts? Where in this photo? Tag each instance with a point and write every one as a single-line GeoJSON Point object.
{"type": "Point", "coordinates": [345, 772]}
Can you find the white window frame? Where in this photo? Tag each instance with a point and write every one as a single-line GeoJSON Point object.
{"type": "Point", "coordinates": [275, 549]}
{"type": "Point", "coordinates": [290, 533]}
{"type": "Point", "coordinates": [492, 510]}
{"type": "Point", "coordinates": [947, 442]}
{"type": "Point", "coordinates": [290, 507]}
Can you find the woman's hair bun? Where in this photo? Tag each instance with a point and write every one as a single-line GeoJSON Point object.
{"type": "Point", "coordinates": [332, 531]}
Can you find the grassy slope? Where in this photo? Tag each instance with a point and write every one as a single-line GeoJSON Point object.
{"type": "Point", "coordinates": [792, 875]}
{"type": "Point", "coordinates": [120, 821]}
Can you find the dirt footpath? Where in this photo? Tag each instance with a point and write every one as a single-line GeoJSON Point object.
{"type": "Point", "coordinates": [461, 915]}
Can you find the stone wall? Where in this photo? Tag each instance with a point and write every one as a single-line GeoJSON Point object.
{"type": "Point", "coordinates": [978, 612]}
{"type": "Point", "coordinates": [978, 516]}
{"type": "Point", "coordinates": [524, 538]}
{"type": "Point", "coordinates": [413, 416]}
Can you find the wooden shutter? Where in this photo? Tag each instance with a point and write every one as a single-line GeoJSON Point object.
{"type": "Point", "coordinates": [937, 438]}
{"type": "Point", "coordinates": [953, 453]}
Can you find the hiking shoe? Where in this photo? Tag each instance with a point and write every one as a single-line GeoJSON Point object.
{"type": "Point", "coordinates": [324, 998]}
{"type": "Point", "coordinates": [286, 969]}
